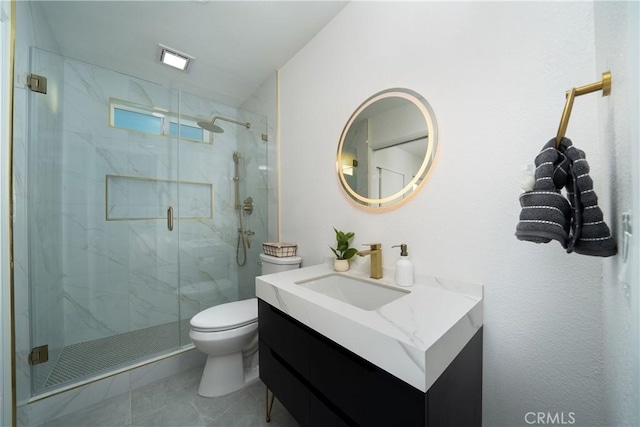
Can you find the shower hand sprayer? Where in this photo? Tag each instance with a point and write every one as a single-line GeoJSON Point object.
{"type": "Point", "coordinates": [247, 207]}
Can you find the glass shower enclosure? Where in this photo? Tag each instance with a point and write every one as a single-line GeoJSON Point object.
{"type": "Point", "coordinates": [127, 210]}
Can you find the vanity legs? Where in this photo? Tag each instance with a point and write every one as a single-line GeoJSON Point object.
{"type": "Point", "coordinates": [269, 404]}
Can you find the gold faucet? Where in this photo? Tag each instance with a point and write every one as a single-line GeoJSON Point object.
{"type": "Point", "coordinates": [376, 259]}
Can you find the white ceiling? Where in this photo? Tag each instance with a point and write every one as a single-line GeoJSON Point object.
{"type": "Point", "coordinates": [237, 45]}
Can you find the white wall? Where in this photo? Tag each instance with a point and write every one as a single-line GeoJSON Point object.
{"type": "Point", "coordinates": [617, 36]}
{"type": "Point", "coordinates": [495, 75]}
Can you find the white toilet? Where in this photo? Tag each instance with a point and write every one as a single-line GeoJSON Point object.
{"type": "Point", "coordinates": [228, 335]}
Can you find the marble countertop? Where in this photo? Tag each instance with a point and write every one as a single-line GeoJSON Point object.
{"type": "Point", "coordinates": [414, 337]}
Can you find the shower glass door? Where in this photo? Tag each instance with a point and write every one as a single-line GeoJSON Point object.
{"type": "Point", "coordinates": [102, 182]}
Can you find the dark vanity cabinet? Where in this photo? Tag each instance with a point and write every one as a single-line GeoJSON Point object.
{"type": "Point", "coordinates": [323, 384]}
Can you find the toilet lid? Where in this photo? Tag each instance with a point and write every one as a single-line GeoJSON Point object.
{"type": "Point", "coordinates": [226, 316]}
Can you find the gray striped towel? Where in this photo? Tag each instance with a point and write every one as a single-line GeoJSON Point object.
{"type": "Point", "coordinates": [546, 214]}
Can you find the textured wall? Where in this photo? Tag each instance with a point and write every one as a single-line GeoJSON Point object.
{"type": "Point", "coordinates": [617, 49]}
{"type": "Point", "coordinates": [495, 75]}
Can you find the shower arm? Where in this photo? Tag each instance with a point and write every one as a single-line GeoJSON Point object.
{"type": "Point", "coordinates": [245, 124]}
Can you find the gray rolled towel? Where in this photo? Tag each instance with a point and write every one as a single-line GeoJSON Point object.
{"type": "Point", "coordinates": [546, 213]}
{"type": "Point", "coordinates": [590, 235]}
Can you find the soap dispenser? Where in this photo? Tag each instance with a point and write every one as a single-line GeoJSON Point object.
{"type": "Point", "coordinates": [404, 267]}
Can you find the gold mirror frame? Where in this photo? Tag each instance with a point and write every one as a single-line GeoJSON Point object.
{"type": "Point", "coordinates": [419, 179]}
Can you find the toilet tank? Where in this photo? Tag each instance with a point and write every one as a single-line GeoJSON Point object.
{"type": "Point", "coordinates": [272, 264]}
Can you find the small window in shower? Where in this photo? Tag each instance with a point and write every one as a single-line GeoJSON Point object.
{"type": "Point", "coordinates": [132, 120]}
{"type": "Point", "coordinates": [186, 131]}
{"type": "Point", "coordinates": [136, 117]}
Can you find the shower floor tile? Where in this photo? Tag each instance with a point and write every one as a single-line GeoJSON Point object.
{"type": "Point", "coordinates": [87, 359]}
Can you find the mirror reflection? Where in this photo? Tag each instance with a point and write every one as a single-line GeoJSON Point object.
{"type": "Point", "coordinates": [387, 148]}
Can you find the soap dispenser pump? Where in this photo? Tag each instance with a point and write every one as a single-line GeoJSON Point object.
{"type": "Point", "coordinates": [404, 267]}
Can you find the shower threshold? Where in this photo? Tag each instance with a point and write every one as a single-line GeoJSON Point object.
{"type": "Point", "coordinates": [84, 360]}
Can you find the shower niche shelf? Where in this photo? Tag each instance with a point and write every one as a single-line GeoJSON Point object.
{"type": "Point", "coordinates": [131, 198]}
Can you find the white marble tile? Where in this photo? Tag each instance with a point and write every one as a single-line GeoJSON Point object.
{"type": "Point", "coordinates": [192, 359]}
{"type": "Point", "coordinates": [115, 411]}
{"type": "Point", "coordinates": [155, 371]}
{"type": "Point", "coordinates": [151, 244]}
{"type": "Point", "coordinates": [207, 294]}
{"type": "Point", "coordinates": [196, 106]}
{"type": "Point", "coordinates": [199, 243]}
{"type": "Point", "coordinates": [95, 306]}
{"type": "Point", "coordinates": [152, 296]}
{"type": "Point", "coordinates": [154, 157]}
{"type": "Point", "coordinates": [92, 245]}
{"type": "Point", "coordinates": [87, 91]}
{"type": "Point", "coordinates": [89, 157]}
{"type": "Point", "coordinates": [65, 403]}
{"type": "Point", "coordinates": [151, 94]}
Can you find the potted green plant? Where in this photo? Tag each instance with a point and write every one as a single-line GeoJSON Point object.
{"type": "Point", "coordinates": [342, 251]}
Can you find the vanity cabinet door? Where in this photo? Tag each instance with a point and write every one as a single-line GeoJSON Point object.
{"type": "Point", "coordinates": [320, 415]}
{"type": "Point", "coordinates": [455, 399]}
{"type": "Point", "coordinates": [285, 336]}
{"type": "Point", "coordinates": [284, 384]}
{"type": "Point", "coordinates": [368, 395]}
{"type": "Point", "coordinates": [342, 378]}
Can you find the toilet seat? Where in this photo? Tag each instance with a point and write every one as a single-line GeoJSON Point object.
{"type": "Point", "coordinates": [226, 316]}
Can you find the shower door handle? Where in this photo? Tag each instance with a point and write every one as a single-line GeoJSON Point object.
{"type": "Point", "coordinates": [170, 218]}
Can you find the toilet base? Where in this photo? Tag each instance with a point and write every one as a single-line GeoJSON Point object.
{"type": "Point", "coordinates": [225, 374]}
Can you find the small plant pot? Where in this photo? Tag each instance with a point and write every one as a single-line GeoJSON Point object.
{"type": "Point", "coordinates": [341, 265]}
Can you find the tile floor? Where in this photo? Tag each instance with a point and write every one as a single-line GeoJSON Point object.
{"type": "Point", "coordinates": [174, 402]}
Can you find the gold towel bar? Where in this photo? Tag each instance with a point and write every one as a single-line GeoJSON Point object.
{"type": "Point", "coordinates": [604, 85]}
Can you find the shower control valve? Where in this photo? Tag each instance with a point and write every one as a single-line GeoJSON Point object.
{"type": "Point", "coordinates": [247, 207]}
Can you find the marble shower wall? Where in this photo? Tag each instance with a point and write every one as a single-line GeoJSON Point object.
{"type": "Point", "coordinates": [253, 183]}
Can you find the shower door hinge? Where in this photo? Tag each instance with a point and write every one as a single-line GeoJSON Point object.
{"type": "Point", "coordinates": [37, 83]}
{"type": "Point", "coordinates": [39, 355]}
{"type": "Point", "coordinates": [265, 137]}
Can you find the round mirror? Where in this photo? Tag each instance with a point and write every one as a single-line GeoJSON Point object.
{"type": "Point", "coordinates": [387, 148]}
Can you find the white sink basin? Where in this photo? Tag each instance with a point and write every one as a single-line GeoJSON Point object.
{"type": "Point", "coordinates": [365, 294]}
